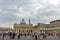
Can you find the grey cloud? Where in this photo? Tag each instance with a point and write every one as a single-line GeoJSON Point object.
{"type": "Point", "coordinates": [11, 7]}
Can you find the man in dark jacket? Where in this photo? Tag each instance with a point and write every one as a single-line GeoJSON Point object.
{"type": "Point", "coordinates": [19, 36]}
{"type": "Point", "coordinates": [13, 35]}
{"type": "Point", "coordinates": [35, 37]}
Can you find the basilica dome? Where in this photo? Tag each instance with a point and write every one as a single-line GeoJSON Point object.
{"type": "Point", "coordinates": [23, 22]}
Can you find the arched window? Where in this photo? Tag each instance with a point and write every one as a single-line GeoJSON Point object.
{"type": "Point", "coordinates": [31, 30]}
{"type": "Point", "coordinates": [19, 31]}
{"type": "Point", "coordinates": [27, 30]}
{"type": "Point", "coordinates": [23, 30]}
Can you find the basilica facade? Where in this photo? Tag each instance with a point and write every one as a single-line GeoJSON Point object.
{"type": "Point", "coordinates": [22, 27]}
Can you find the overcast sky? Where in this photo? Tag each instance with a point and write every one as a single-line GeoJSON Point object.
{"type": "Point", "coordinates": [42, 11]}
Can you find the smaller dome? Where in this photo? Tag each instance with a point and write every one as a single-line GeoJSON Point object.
{"type": "Point", "coordinates": [15, 24]}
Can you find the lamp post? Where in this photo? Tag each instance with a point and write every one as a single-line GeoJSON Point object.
{"type": "Point", "coordinates": [9, 28]}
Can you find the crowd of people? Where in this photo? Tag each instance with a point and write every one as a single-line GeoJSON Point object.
{"type": "Point", "coordinates": [12, 35]}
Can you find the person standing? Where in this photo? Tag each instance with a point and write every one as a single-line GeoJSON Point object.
{"type": "Point", "coordinates": [13, 35]}
{"type": "Point", "coordinates": [3, 35]}
{"type": "Point", "coordinates": [10, 34]}
{"type": "Point", "coordinates": [36, 36]}
{"type": "Point", "coordinates": [44, 36]}
{"type": "Point", "coordinates": [19, 36]}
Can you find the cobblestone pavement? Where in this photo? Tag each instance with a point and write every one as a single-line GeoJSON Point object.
{"type": "Point", "coordinates": [30, 38]}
